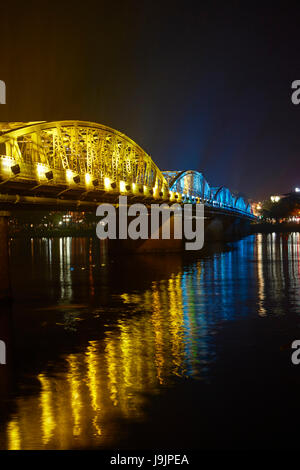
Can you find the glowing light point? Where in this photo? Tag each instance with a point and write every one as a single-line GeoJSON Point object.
{"type": "Point", "coordinates": [7, 162]}
{"type": "Point", "coordinates": [107, 183]}
{"type": "Point", "coordinates": [41, 170]}
{"type": "Point", "coordinates": [88, 178]}
{"type": "Point", "coordinates": [69, 175]}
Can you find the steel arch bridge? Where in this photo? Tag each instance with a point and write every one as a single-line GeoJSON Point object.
{"type": "Point", "coordinates": [77, 154]}
{"type": "Point", "coordinates": [194, 187]}
{"type": "Point", "coordinates": [62, 163]}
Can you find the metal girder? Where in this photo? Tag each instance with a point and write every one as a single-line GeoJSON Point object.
{"type": "Point", "coordinates": [83, 148]}
{"type": "Point", "coordinates": [193, 184]}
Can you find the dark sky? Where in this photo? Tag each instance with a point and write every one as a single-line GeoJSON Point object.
{"type": "Point", "coordinates": [199, 85]}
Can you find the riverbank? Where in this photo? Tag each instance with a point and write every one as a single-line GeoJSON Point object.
{"type": "Point", "coordinates": [279, 227]}
{"type": "Point", "coordinates": [53, 233]}
{"type": "Point", "coordinates": [91, 231]}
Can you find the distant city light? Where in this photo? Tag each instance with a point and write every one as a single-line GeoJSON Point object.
{"type": "Point", "coordinates": [275, 198]}
{"type": "Point", "coordinates": [297, 190]}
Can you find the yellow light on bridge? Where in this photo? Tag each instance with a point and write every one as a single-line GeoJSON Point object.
{"type": "Point", "coordinates": [122, 186]}
{"type": "Point", "coordinates": [69, 175]}
{"type": "Point", "coordinates": [6, 164]}
{"type": "Point", "coordinates": [41, 170]}
{"type": "Point", "coordinates": [88, 178]}
{"type": "Point", "coordinates": [156, 190]}
{"type": "Point", "coordinates": [107, 183]}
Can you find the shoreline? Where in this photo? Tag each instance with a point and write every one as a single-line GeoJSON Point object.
{"type": "Point", "coordinates": [277, 228]}
{"type": "Point", "coordinates": [91, 232]}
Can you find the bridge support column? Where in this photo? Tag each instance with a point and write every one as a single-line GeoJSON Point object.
{"type": "Point", "coordinates": [5, 287]}
{"type": "Point", "coordinates": [226, 228]}
{"type": "Point", "coordinates": [149, 245]}
{"type": "Point", "coordinates": [145, 246]}
{"type": "Point", "coordinates": [214, 230]}
{"type": "Point", "coordinates": [237, 228]}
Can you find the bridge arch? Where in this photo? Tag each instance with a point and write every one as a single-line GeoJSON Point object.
{"type": "Point", "coordinates": [223, 196]}
{"type": "Point", "coordinates": [81, 153]}
{"type": "Point", "coordinates": [193, 184]}
{"type": "Point", "coordinates": [190, 182]}
{"type": "Point", "coordinates": [241, 204]}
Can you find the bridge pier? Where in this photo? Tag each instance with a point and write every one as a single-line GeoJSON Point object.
{"type": "Point", "coordinates": [5, 286]}
{"type": "Point", "coordinates": [224, 228]}
{"type": "Point", "coordinates": [148, 245]}
{"type": "Point", "coordinates": [145, 246]}
{"type": "Point", "coordinates": [214, 230]}
{"type": "Point", "coordinates": [237, 228]}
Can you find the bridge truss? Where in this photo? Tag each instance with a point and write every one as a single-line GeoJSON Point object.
{"type": "Point", "coordinates": [194, 187]}
{"type": "Point", "coordinates": [83, 161]}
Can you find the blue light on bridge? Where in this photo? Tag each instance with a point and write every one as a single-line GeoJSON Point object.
{"type": "Point", "coordinates": [194, 185]}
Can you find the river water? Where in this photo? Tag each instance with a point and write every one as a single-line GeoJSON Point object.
{"type": "Point", "coordinates": [151, 351]}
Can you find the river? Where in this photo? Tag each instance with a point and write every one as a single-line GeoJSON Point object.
{"type": "Point", "coordinates": [151, 351]}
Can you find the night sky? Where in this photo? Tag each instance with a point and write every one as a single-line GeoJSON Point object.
{"type": "Point", "coordinates": [199, 85]}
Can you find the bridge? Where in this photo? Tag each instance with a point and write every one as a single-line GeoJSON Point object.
{"type": "Point", "coordinates": [76, 165]}
{"type": "Point", "coordinates": [67, 164]}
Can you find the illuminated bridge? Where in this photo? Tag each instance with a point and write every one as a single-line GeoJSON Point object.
{"type": "Point", "coordinates": [76, 164]}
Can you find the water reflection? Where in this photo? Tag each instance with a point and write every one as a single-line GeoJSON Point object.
{"type": "Point", "coordinates": [138, 333]}
{"type": "Point", "coordinates": [278, 272]}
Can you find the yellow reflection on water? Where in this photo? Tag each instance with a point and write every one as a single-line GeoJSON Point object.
{"type": "Point", "coordinates": [80, 403]}
{"type": "Point", "coordinates": [74, 378]}
{"type": "Point", "coordinates": [158, 332]}
{"type": "Point", "coordinates": [93, 383]}
{"type": "Point", "coordinates": [76, 406]}
{"type": "Point", "coordinates": [48, 419]}
{"type": "Point", "coordinates": [260, 278]}
{"type": "Point", "coordinates": [112, 368]}
{"type": "Point", "coordinates": [176, 323]}
{"type": "Point", "coordinates": [13, 435]}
